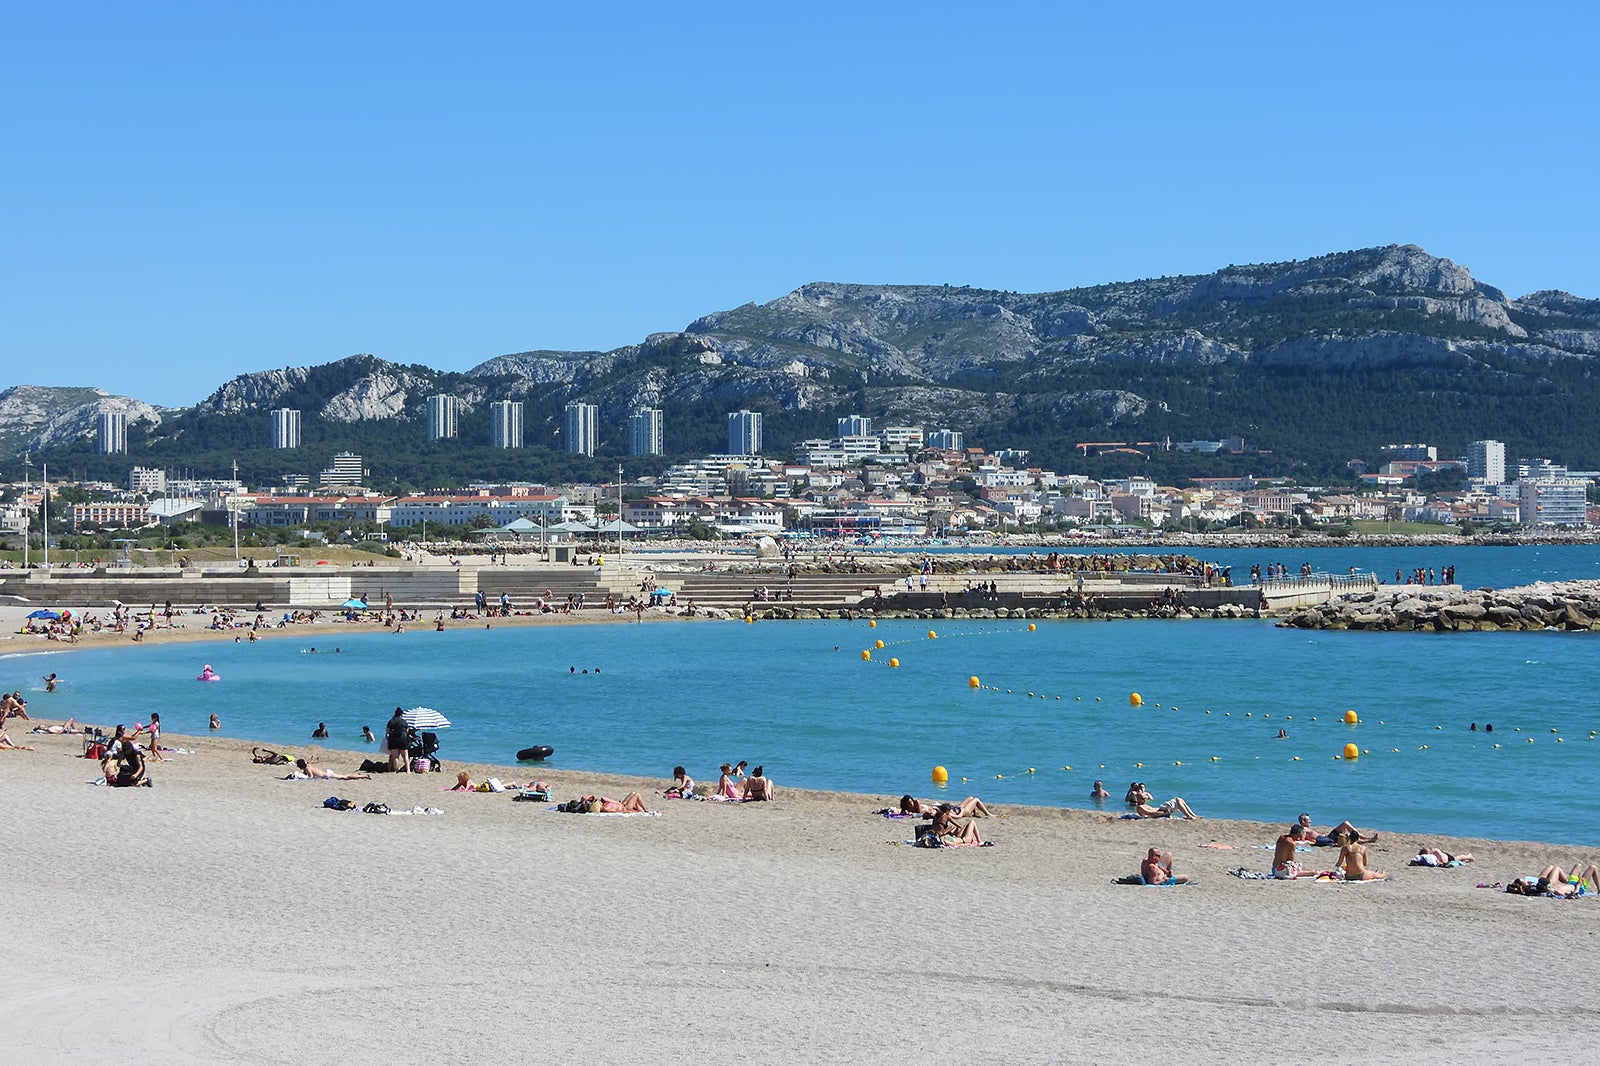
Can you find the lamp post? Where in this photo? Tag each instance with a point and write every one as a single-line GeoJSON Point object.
{"type": "Point", "coordinates": [619, 512]}
{"type": "Point", "coordinates": [46, 518]}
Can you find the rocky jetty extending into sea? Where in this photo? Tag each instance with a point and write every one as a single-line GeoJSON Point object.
{"type": "Point", "coordinates": [1563, 605]}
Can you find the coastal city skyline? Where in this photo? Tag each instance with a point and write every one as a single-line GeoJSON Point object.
{"type": "Point", "coordinates": [261, 143]}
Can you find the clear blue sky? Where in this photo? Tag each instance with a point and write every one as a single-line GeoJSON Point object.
{"type": "Point", "coordinates": [195, 190]}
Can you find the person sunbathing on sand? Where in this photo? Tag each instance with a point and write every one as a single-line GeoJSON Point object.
{"type": "Point", "coordinates": [7, 745]}
{"type": "Point", "coordinates": [69, 726]}
{"type": "Point", "coordinates": [949, 829]}
{"type": "Point", "coordinates": [1353, 860]}
{"type": "Point", "coordinates": [971, 807]}
{"type": "Point", "coordinates": [1157, 869]}
{"type": "Point", "coordinates": [1330, 839]}
{"type": "Point", "coordinates": [632, 803]}
{"type": "Point", "coordinates": [1175, 805]}
{"type": "Point", "coordinates": [312, 770]}
{"type": "Point", "coordinates": [1554, 881]}
{"type": "Point", "coordinates": [1431, 856]}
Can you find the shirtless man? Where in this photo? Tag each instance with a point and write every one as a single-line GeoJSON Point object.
{"type": "Point", "coordinates": [1330, 839]}
{"type": "Point", "coordinates": [14, 706]}
{"type": "Point", "coordinates": [1284, 866]}
{"type": "Point", "coordinates": [758, 787]}
{"type": "Point", "coordinates": [1353, 859]}
{"type": "Point", "coordinates": [1157, 869]}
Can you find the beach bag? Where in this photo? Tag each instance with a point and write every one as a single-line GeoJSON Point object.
{"type": "Point", "coordinates": [95, 751]}
{"type": "Point", "coordinates": [421, 766]}
{"type": "Point", "coordinates": [927, 838]}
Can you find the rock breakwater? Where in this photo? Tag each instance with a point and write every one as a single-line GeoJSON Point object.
{"type": "Point", "coordinates": [1563, 605]}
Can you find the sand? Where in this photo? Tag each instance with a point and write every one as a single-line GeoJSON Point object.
{"type": "Point", "coordinates": [224, 916]}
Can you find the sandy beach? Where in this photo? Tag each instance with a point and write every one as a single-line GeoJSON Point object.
{"type": "Point", "coordinates": [225, 916]}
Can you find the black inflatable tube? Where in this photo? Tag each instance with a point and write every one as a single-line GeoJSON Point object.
{"type": "Point", "coordinates": [537, 753]}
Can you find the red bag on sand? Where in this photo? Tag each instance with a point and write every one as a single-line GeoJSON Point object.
{"type": "Point", "coordinates": [95, 751]}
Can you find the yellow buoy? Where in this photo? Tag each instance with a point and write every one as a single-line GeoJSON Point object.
{"type": "Point", "coordinates": [1297, 758]}
{"type": "Point", "coordinates": [1134, 699]}
{"type": "Point", "coordinates": [748, 619]}
{"type": "Point", "coordinates": [941, 775]}
{"type": "Point", "coordinates": [872, 624]}
{"type": "Point", "coordinates": [972, 682]}
{"type": "Point", "coordinates": [895, 663]}
{"type": "Point", "coordinates": [1214, 759]}
{"type": "Point", "coordinates": [878, 644]}
{"type": "Point", "coordinates": [1066, 767]}
{"type": "Point", "coordinates": [1032, 627]}
{"type": "Point", "coordinates": [866, 655]}
{"type": "Point", "coordinates": [1178, 762]}
{"type": "Point", "coordinates": [1350, 717]}
{"type": "Point", "coordinates": [1140, 765]}
{"type": "Point", "coordinates": [932, 635]}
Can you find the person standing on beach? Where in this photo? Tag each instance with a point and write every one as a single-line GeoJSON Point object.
{"type": "Point", "coordinates": [394, 738]}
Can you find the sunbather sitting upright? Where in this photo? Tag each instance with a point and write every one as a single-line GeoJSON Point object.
{"type": "Point", "coordinates": [758, 787]}
{"type": "Point", "coordinates": [1284, 866]}
{"type": "Point", "coordinates": [727, 787]}
{"type": "Point", "coordinates": [1353, 859]}
{"type": "Point", "coordinates": [1157, 869]}
{"type": "Point", "coordinates": [951, 830]}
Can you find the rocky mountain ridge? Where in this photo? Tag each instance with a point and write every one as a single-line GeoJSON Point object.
{"type": "Point", "coordinates": [1192, 357]}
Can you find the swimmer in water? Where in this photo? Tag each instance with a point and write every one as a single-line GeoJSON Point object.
{"type": "Point", "coordinates": [1099, 791]}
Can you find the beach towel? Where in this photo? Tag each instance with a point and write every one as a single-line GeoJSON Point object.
{"type": "Point", "coordinates": [1333, 877]}
{"type": "Point", "coordinates": [1429, 860]}
{"type": "Point", "coordinates": [1251, 875]}
{"type": "Point", "coordinates": [1220, 847]}
{"type": "Point", "coordinates": [890, 812]}
{"type": "Point", "coordinates": [1135, 879]}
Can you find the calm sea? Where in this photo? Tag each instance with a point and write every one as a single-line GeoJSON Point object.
{"type": "Point", "coordinates": [798, 698]}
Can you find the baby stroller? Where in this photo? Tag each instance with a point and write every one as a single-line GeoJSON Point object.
{"type": "Point", "coordinates": [426, 746]}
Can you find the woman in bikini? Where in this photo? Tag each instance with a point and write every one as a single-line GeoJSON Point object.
{"type": "Point", "coordinates": [950, 830]}
{"type": "Point", "coordinates": [632, 803]}
{"type": "Point", "coordinates": [312, 770]}
{"type": "Point", "coordinates": [726, 789]}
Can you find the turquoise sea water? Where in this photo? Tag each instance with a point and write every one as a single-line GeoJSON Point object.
{"type": "Point", "coordinates": [798, 698]}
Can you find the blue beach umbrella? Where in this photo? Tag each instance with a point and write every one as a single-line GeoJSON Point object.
{"type": "Point", "coordinates": [53, 616]}
{"type": "Point", "coordinates": [359, 605]}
